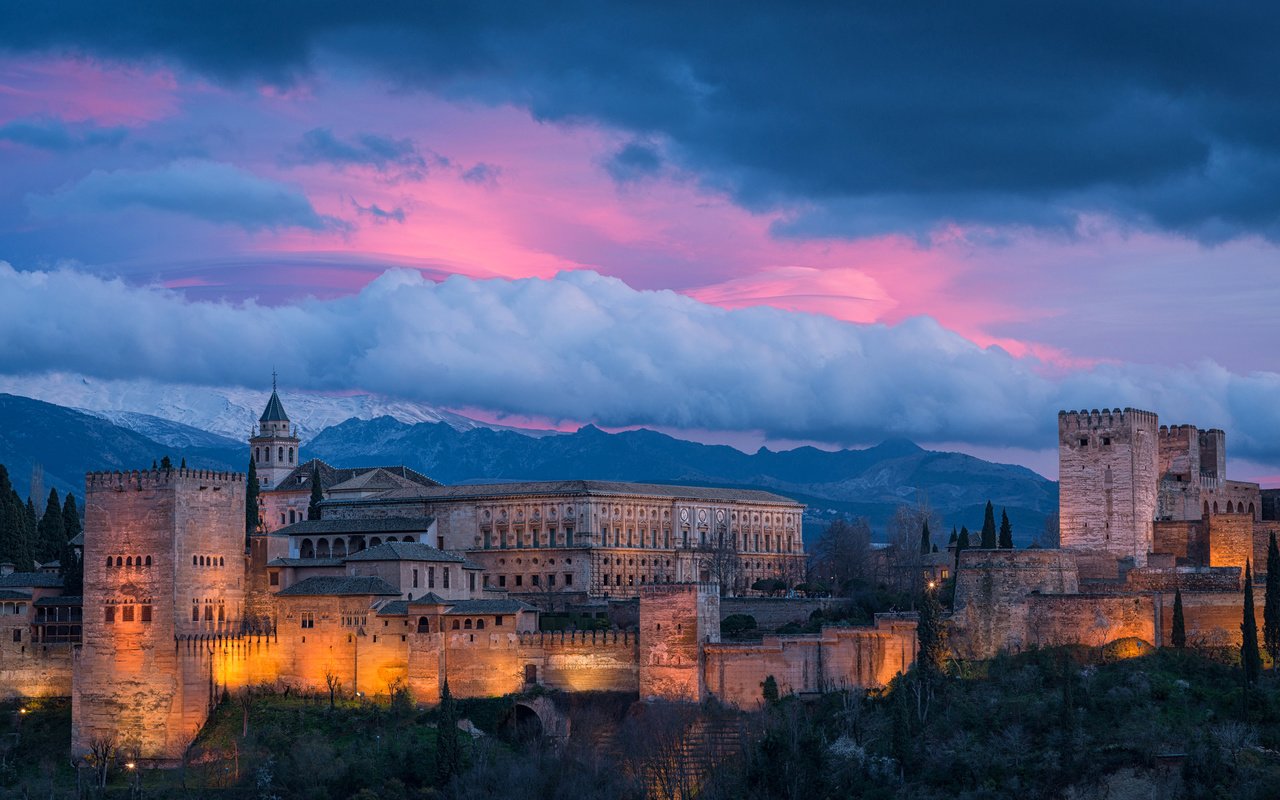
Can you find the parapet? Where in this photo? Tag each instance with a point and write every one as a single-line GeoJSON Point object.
{"type": "Point", "coordinates": [1106, 418]}
{"type": "Point", "coordinates": [157, 478]}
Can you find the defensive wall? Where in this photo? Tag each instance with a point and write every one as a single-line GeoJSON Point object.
{"type": "Point", "coordinates": [992, 586]}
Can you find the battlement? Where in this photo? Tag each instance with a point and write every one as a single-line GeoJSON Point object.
{"type": "Point", "coordinates": [157, 479]}
{"type": "Point", "coordinates": [1106, 418]}
{"type": "Point", "coordinates": [610, 638]}
{"type": "Point", "coordinates": [667, 589]}
{"type": "Point", "coordinates": [1178, 432]}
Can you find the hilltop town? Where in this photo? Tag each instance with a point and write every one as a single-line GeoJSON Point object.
{"type": "Point", "coordinates": [300, 574]}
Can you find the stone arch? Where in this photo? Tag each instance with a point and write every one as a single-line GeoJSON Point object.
{"type": "Point", "coordinates": [322, 548]}
{"type": "Point", "coordinates": [375, 541]}
{"type": "Point", "coordinates": [533, 718]}
{"type": "Point", "coordinates": [306, 549]}
{"type": "Point", "coordinates": [1206, 508]}
{"type": "Point", "coordinates": [339, 548]}
{"type": "Point", "coordinates": [424, 625]}
{"type": "Point", "coordinates": [1251, 511]}
{"type": "Point", "coordinates": [1215, 506]}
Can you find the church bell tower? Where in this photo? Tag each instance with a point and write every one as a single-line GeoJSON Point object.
{"type": "Point", "coordinates": [274, 445]}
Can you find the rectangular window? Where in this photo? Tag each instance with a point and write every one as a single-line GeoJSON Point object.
{"type": "Point", "coordinates": [551, 580]}
{"type": "Point", "coordinates": [431, 577]}
{"type": "Point", "coordinates": [17, 634]}
{"type": "Point", "coordinates": [497, 622]}
{"type": "Point", "coordinates": [109, 614]}
{"type": "Point", "coordinates": [415, 579]}
{"type": "Point", "coordinates": [486, 580]}
{"type": "Point", "coordinates": [568, 579]}
{"type": "Point", "coordinates": [208, 613]}
{"type": "Point", "coordinates": [308, 619]}
{"type": "Point", "coordinates": [445, 574]}
{"type": "Point", "coordinates": [146, 613]}
{"type": "Point", "coordinates": [126, 614]}
{"type": "Point", "coordinates": [275, 579]}
{"type": "Point", "coordinates": [537, 580]}
{"type": "Point", "coordinates": [568, 537]}
{"type": "Point", "coordinates": [195, 613]}
{"type": "Point", "coordinates": [502, 581]}
{"type": "Point", "coordinates": [471, 581]}
{"type": "Point", "coordinates": [519, 580]}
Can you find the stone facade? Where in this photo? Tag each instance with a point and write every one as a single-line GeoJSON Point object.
{"type": "Point", "coordinates": [675, 622]}
{"type": "Point", "coordinates": [1108, 466]}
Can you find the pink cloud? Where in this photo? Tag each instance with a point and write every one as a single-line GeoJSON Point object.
{"type": "Point", "coordinates": [81, 90]}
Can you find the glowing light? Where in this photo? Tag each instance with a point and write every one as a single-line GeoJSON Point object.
{"type": "Point", "coordinates": [130, 765]}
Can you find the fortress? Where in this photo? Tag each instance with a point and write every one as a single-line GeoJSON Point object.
{"type": "Point", "coordinates": [403, 582]}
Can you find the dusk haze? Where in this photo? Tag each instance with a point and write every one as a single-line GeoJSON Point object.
{"type": "Point", "coordinates": [575, 400]}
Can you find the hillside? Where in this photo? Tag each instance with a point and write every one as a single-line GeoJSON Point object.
{"type": "Point", "coordinates": [870, 482]}
{"type": "Point", "coordinates": [68, 443]}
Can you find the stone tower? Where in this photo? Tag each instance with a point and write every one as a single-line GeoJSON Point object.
{"type": "Point", "coordinates": [1107, 474]}
{"type": "Point", "coordinates": [275, 446]}
{"type": "Point", "coordinates": [676, 619]}
{"type": "Point", "coordinates": [163, 562]}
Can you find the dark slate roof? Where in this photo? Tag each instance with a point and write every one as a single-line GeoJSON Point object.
{"type": "Point", "coordinates": [339, 585]}
{"type": "Point", "coordinates": [300, 479]}
{"type": "Point", "coordinates": [405, 551]}
{"type": "Point", "coordinates": [484, 491]}
{"type": "Point", "coordinates": [373, 480]}
{"type": "Point", "coordinates": [364, 525]}
{"type": "Point", "coordinates": [77, 540]}
{"type": "Point", "coordinates": [394, 608]}
{"type": "Point", "coordinates": [35, 580]}
{"type": "Point", "coordinates": [14, 594]}
{"type": "Point", "coordinates": [430, 599]}
{"type": "Point", "coordinates": [488, 607]}
{"type": "Point", "coordinates": [305, 562]}
{"type": "Point", "coordinates": [61, 600]}
{"type": "Point", "coordinates": [274, 411]}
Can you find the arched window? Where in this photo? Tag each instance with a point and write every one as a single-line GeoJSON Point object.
{"type": "Point", "coordinates": [128, 562]}
{"type": "Point", "coordinates": [322, 548]}
{"type": "Point", "coordinates": [1215, 506]}
{"type": "Point", "coordinates": [1206, 508]}
{"type": "Point", "coordinates": [292, 518]}
{"type": "Point", "coordinates": [290, 455]}
{"type": "Point", "coordinates": [467, 624]}
{"type": "Point", "coordinates": [208, 613]}
{"type": "Point", "coordinates": [108, 562]}
{"type": "Point", "coordinates": [119, 561]}
{"type": "Point", "coordinates": [408, 538]}
{"type": "Point", "coordinates": [339, 548]}
{"type": "Point", "coordinates": [375, 541]}
{"type": "Point", "coordinates": [479, 624]}
{"type": "Point", "coordinates": [222, 562]}
{"type": "Point", "coordinates": [281, 455]}
{"type": "Point", "coordinates": [222, 613]}
{"type": "Point", "coordinates": [455, 625]}
{"type": "Point", "coordinates": [281, 517]}
{"type": "Point", "coordinates": [424, 625]}
{"type": "Point", "coordinates": [1251, 512]}
{"type": "Point", "coordinates": [305, 550]}
{"type": "Point", "coordinates": [257, 454]}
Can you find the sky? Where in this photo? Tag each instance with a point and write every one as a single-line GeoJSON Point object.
{"type": "Point", "coordinates": [762, 223]}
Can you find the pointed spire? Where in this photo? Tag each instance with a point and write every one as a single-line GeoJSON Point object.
{"type": "Point", "coordinates": [275, 409]}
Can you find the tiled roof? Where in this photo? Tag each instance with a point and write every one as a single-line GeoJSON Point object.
{"type": "Point", "coordinates": [374, 480]}
{"type": "Point", "coordinates": [35, 580]}
{"type": "Point", "coordinates": [300, 479]}
{"type": "Point", "coordinates": [14, 594]}
{"type": "Point", "coordinates": [484, 491]}
{"type": "Point", "coordinates": [60, 600]}
{"type": "Point", "coordinates": [394, 608]}
{"type": "Point", "coordinates": [430, 599]}
{"type": "Point", "coordinates": [305, 562]}
{"type": "Point", "coordinates": [405, 551]}
{"type": "Point", "coordinates": [339, 585]}
{"type": "Point", "coordinates": [274, 412]}
{"type": "Point", "coordinates": [488, 607]}
{"type": "Point", "coordinates": [363, 525]}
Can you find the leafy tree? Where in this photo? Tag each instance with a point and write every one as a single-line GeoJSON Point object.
{"type": "Point", "coordinates": [317, 493]}
{"type": "Point", "coordinates": [1179, 636]}
{"type": "Point", "coordinates": [71, 566]}
{"type": "Point", "coordinates": [50, 533]}
{"type": "Point", "coordinates": [1271, 604]}
{"type": "Point", "coordinates": [251, 489]}
{"type": "Point", "coordinates": [736, 624]}
{"type": "Point", "coordinates": [1250, 658]}
{"type": "Point", "coordinates": [769, 690]}
{"type": "Point", "coordinates": [989, 528]}
{"type": "Point", "coordinates": [1006, 531]}
{"type": "Point", "coordinates": [166, 463]}
{"type": "Point", "coordinates": [448, 747]}
{"type": "Point", "coordinates": [926, 544]}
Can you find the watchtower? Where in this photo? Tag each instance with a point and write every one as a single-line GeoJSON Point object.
{"type": "Point", "coordinates": [676, 620]}
{"type": "Point", "coordinates": [163, 560]}
{"type": "Point", "coordinates": [1107, 474]}
{"type": "Point", "coordinates": [274, 445]}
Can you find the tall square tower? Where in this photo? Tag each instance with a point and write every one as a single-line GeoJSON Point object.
{"type": "Point", "coordinates": [1108, 468]}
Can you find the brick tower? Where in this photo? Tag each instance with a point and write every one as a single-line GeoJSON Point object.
{"type": "Point", "coordinates": [275, 445]}
{"type": "Point", "coordinates": [163, 560]}
{"type": "Point", "coordinates": [676, 619]}
{"type": "Point", "coordinates": [1107, 476]}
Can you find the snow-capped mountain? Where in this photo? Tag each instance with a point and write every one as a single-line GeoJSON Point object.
{"type": "Point", "coordinates": [226, 412]}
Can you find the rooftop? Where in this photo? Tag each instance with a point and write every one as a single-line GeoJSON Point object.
{"type": "Point", "coordinates": [483, 491]}
{"type": "Point", "coordinates": [405, 551]}
{"type": "Point", "coordinates": [34, 580]}
{"type": "Point", "coordinates": [488, 607]}
{"type": "Point", "coordinates": [274, 411]}
{"type": "Point", "coordinates": [14, 594]}
{"type": "Point", "coordinates": [305, 562]}
{"type": "Point", "coordinates": [329, 527]}
{"type": "Point", "coordinates": [339, 585]}
{"type": "Point", "coordinates": [300, 479]}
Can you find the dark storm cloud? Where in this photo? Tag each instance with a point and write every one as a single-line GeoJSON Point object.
{"type": "Point", "coordinates": [59, 137]}
{"type": "Point", "coordinates": [383, 153]}
{"type": "Point", "coordinates": [878, 117]}
{"type": "Point", "coordinates": [634, 161]}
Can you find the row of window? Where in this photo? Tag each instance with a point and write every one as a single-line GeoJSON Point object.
{"type": "Point", "coordinates": [128, 561]}
{"type": "Point", "coordinates": [208, 612]}
{"type": "Point", "coordinates": [259, 452]}
{"type": "Point", "coordinates": [534, 580]}
{"type": "Point", "coordinates": [126, 613]}
{"type": "Point", "coordinates": [202, 561]}
{"type": "Point", "coordinates": [321, 548]}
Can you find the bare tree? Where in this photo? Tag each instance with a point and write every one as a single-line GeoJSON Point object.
{"type": "Point", "coordinates": [1050, 537]}
{"type": "Point", "coordinates": [719, 560]}
{"type": "Point", "coordinates": [843, 554]}
{"type": "Point", "coordinates": [102, 749]}
{"type": "Point", "coordinates": [906, 560]}
{"type": "Point", "coordinates": [334, 681]}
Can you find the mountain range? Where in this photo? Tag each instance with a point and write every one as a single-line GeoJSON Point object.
{"type": "Point", "coordinates": [870, 482]}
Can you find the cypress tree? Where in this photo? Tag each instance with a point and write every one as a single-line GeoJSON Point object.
{"type": "Point", "coordinates": [1271, 604]}
{"type": "Point", "coordinates": [24, 553]}
{"type": "Point", "coordinates": [317, 492]}
{"type": "Point", "coordinates": [71, 566]}
{"type": "Point", "coordinates": [448, 748]}
{"type": "Point", "coordinates": [251, 499]}
{"type": "Point", "coordinates": [50, 533]}
{"type": "Point", "coordinates": [166, 463]}
{"type": "Point", "coordinates": [926, 545]}
{"type": "Point", "coordinates": [183, 465]}
{"type": "Point", "coordinates": [71, 526]}
{"type": "Point", "coordinates": [1179, 636]}
{"type": "Point", "coordinates": [1006, 531]}
{"type": "Point", "coordinates": [932, 637]}
{"type": "Point", "coordinates": [954, 536]}
{"type": "Point", "coordinates": [989, 528]}
{"type": "Point", "coordinates": [961, 544]}
{"type": "Point", "coordinates": [1250, 658]}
